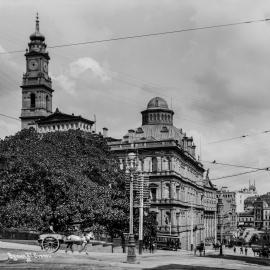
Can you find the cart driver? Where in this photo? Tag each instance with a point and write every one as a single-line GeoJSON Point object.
{"type": "Point", "coordinates": [51, 228]}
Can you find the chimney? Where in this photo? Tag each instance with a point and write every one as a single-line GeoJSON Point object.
{"type": "Point", "coordinates": [184, 140]}
{"type": "Point", "coordinates": [189, 141]}
{"type": "Point", "coordinates": [105, 132]}
{"type": "Point", "coordinates": [193, 147]}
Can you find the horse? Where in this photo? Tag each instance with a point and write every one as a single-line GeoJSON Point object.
{"type": "Point", "coordinates": [79, 240]}
{"type": "Point", "coordinates": [256, 251]}
{"type": "Point", "coordinates": [216, 245]}
{"type": "Point", "coordinates": [200, 248]}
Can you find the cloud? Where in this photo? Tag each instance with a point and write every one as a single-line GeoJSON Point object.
{"type": "Point", "coordinates": [88, 64]}
{"type": "Point", "coordinates": [70, 78]}
{"type": "Point", "coordinates": [67, 84]}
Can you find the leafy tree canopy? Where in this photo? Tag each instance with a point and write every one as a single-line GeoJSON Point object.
{"type": "Point", "coordinates": [63, 177]}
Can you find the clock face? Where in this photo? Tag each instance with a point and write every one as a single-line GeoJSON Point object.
{"type": "Point", "coordinates": [33, 65]}
{"type": "Point", "coordinates": [45, 66]}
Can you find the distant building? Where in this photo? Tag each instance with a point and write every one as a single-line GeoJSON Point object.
{"type": "Point", "coordinates": [246, 219]}
{"type": "Point", "coordinates": [249, 202]}
{"type": "Point", "coordinates": [37, 92]}
{"type": "Point", "coordinates": [182, 198]}
{"type": "Point", "coordinates": [227, 217]}
{"type": "Point", "coordinates": [262, 212]}
{"type": "Point", "coordinates": [242, 194]}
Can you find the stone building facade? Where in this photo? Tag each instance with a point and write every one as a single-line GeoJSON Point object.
{"type": "Point", "coordinates": [183, 200]}
{"type": "Point", "coordinates": [37, 92]}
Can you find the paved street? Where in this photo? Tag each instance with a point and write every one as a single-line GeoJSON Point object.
{"type": "Point", "coordinates": [106, 260]}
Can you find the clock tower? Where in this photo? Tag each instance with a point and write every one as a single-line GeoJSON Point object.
{"type": "Point", "coordinates": [37, 85]}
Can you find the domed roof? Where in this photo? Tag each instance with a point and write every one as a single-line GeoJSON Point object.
{"type": "Point", "coordinates": [37, 35]}
{"type": "Point", "coordinates": [157, 102]}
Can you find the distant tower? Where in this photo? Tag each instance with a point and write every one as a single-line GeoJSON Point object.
{"type": "Point", "coordinates": [37, 85]}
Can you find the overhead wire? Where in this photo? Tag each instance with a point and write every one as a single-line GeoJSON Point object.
{"type": "Point", "coordinates": [190, 29]}
{"type": "Point", "coordinates": [240, 137]}
{"type": "Point", "coordinates": [163, 33]}
{"type": "Point", "coordinates": [10, 117]}
{"type": "Point", "coordinates": [239, 174]}
{"type": "Point", "coordinates": [147, 35]}
{"type": "Point", "coordinates": [231, 165]}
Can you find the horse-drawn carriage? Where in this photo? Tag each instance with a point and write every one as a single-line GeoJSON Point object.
{"type": "Point", "coordinates": [51, 242]}
{"type": "Point", "coordinates": [261, 251]}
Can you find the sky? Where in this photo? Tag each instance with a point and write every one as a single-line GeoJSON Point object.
{"type": "Point", "coordinates": [216, 81]}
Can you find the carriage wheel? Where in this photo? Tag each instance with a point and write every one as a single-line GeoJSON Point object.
{"type": "Point", "coordinates": [50, 244]}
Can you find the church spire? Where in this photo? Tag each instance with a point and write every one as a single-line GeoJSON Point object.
{"type": "Point", "coordinates": [37, 23]}
{"type": "Point", "coordinates": [37, 35]}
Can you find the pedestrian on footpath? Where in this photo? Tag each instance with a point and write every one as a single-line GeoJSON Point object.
{"type": "Point", "coordinates": [241, 250]}
{"type": "Point", "coordinates": [234, 249]}
{"type": "Point", "coordinates": [151, 245]}
{"type": "Point", "coordinates": [246, 250]}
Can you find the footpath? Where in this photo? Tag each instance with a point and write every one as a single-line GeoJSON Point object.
{"type": "Point", "coordinates": [106, 260]}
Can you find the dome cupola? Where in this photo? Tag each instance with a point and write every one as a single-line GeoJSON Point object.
{"type": "Point", "coordinates": [157, 102]}
{"type": "Point", "coordinates": [37, 43]}
{"type": "Point", "coordinates": [157, 113]}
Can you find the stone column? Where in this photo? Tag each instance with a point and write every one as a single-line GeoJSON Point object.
{"type": "Point", "coordinates": [208, 226]}
{"type": "Point", "coordinates": [173, 220]}
{"type": "Point", "coordinates": [161, 189]}
{"type": "Point", "coordinates": [172, 190]}
{"type": "Point", "coordinates": [159, 217]}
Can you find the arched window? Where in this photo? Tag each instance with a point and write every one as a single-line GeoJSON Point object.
{"type": "Point", "coordinates": [168, 218]}
{"type": "Point", "coordinates": [33, 100]}
{"type": "Point", "coordinates": [154, 164]}
{"type": "Point", "coordinates": [153, 194]}
{"type": "Point", "coordinates": [178, 192]}
{"type": "Point", "coordinates": [47, 103]}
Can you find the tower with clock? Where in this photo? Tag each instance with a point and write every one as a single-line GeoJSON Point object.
{"type": "Point", "coordinates": [37, 85]}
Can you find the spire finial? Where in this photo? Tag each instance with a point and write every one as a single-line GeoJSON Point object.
{"type": "Point", "coordinates": [37, 23]}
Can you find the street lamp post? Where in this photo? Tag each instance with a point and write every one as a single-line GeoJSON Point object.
{"type": "Point", "coordinates": [191, 229]}
{"type": "Point", "coordinates": [141, 214]}
{"type": "Point", "coordinates": [221, 237]}
{"type": "Point", "coordinates": [131, 256]}
{"type": "Point", "coordinates": [220, 218]}
{"type": "Point", "coordinates": [215, 227]}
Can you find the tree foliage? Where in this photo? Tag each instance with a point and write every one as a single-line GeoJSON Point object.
{"type": "Point", "coordinates": [64, 177]}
